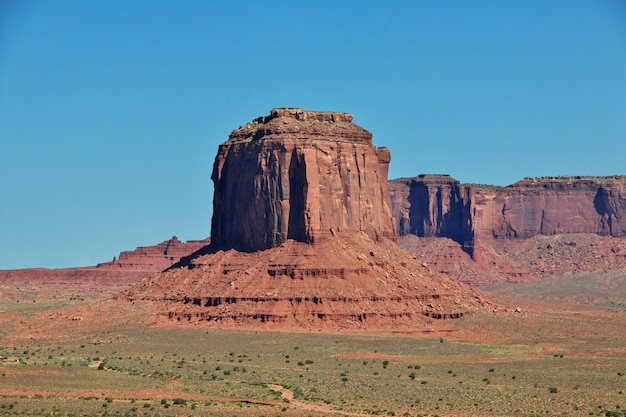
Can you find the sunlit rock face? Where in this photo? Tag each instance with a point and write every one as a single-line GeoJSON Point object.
{"type": "Point", "coordinates": [558, 205]}
{"type": "Point", "coordinates": [299, 175]}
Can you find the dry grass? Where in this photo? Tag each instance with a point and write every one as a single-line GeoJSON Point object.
{"type": "Point", "coordinates": [551, 359]}
{"type": "Point", "coordinates": [226, 372]}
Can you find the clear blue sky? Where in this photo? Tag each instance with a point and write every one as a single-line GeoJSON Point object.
{"type": "Point", "coordinates": [111, 112]}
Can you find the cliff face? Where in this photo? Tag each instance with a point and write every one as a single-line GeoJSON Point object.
{"type": "Point", "coordinates": [299, 175]}
{"type": "Point", "coordinates": [433, 206]}
{"type": "Point", "coordinates": [491, 224]}
{"type": "Point", "coordinates": [558, 205]}
{"type": "Point", "coordinates": [302, 235]}
{"type": "Point", "coordinates": [439, 206]}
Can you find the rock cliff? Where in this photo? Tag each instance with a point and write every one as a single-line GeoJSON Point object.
{"type": "Point", "coordinates": [155, 258]}
{"type": "Point", "coordinates": [433, 206]}
{"type": "Point", "coordinates": [302, 235]}
{"type": "Point", "coordinates": [557, 205]}
{"type": "Point", "coordinates": [439, 206]}
{"type": "Point", "coordinates": [130, 267]}
{"type": "Point", "coordinates": [483, 219]}
{"type": "Point", "coordinates": [298, 175]}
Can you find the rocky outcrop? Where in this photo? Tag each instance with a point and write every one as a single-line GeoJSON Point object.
{"type": "Point", "coordinates": [488, 217]}
{"type": "Point", "coordinates": [129, 268]}
{"type": "Point", "coordinates": [299, 175]}
{"type": "Point", "coordinates": [558, 205]}
{"type": "Point", "coordinates": [303, 236]}
{"type": "Point", "coordinates": [156, 258]}
{"type": "Point", "coordinates": [433, 206]}
{"type": "Point", "coordinates": [439, 206]}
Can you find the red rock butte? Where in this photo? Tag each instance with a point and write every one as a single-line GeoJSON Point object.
{"type": "Point", "coordinates": [303, 236]}
{"type": "Point", "coordinates": [299, 175]}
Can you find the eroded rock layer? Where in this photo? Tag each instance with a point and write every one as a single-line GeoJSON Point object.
{"type": "Point", "coordinates": [513, 233]}
{"type": "Point", "coordinates": [439, 206]}
{"type": "Point", "coordinates": [345, 281]}
{"type": "Point", "coordinates": [156, 258]}
{"type": "Point", "coordinates": [128, 268]}
{"type": "Point", "coordinates": [298, 175]}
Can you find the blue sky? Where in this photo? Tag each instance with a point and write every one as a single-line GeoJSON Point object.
{"type": "Point", "coordinates": [111, 112]}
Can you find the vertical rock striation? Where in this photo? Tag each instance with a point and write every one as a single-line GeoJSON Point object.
{"type": "Point", "coordinates": [558, 205]}
{"type": "Point", "coordinates": [492, 223]}
{"type": "Point", "coordinates": [434, 206]}
{"type": "Point", "coordinates": [439, 206]}
{"type": "Point", "coordinates": [299, 175]}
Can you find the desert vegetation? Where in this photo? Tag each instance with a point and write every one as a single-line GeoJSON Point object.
{"type": "Point", "coordinates": [134, 370]}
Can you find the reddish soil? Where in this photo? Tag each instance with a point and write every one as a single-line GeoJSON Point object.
{"type": "Point", "coordinates": [520, 260]}
{"type": "Point", "coordinates": [347, 281]}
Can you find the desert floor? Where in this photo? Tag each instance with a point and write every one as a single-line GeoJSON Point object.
{"type": "Point", "coordinates": [70, 349]}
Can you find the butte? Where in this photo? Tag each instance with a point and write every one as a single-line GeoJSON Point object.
{"type": "Point", "coordinates": [303, 237]}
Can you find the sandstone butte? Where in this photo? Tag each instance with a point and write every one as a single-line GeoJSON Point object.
{"type": "Point", "coordinates": [303, 236]}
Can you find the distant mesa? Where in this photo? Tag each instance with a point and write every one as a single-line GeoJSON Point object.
{"type": "Point", "coordinates": [482, 220]}
{"type": "Point", "coordinates": [440, 206]}
{"type": "Point", "coordinates": [153, 259]}
{"type": "Point", "coordinates": [434, 206]}
{"type": "Point", "coordinates": [303, 235]}
{"type": "Point", "coordinates": [129, 267]}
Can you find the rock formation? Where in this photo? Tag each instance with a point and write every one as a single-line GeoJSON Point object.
{"type": "Point", "coordinates": [433, 206]}
{"type": "Point", "coordinates": [490, 217]}
{"type": "Point", "coordinates": [129, 267]}
{"type": "Point", "coordinates": [298, 175]}
{"type": "Point", "coordinates": [439, 206]}
{"type": "Point", "coordinates": [156, 258]}
{"type": "Point", "coordinates": [557, 205]}
{"type": "Point", "coordinates": [302, 235]}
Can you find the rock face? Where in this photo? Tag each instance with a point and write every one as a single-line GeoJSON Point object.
{"type": "Point", "coordinates": [303, 236]}
{"type": "Point", "coordinates": [433, 206]}
{"type": "Point", "coordinates": [298, 175]}
{"type": "Point", "coordinates": [557, 205]}
{"type": "Point", "coordinates": [130, 267]}
{"type": "Point", "coordinates": [439, 206]}
{"type": "Point", "coordinates": [486, 218]}
{"type": "Point", "coordinates": [156, 258]}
